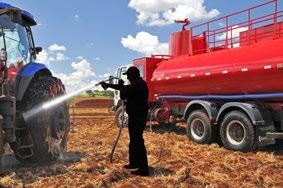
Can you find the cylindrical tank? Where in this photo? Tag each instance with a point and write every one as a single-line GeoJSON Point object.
{"type": "Point", "coordinates": [253, 69]}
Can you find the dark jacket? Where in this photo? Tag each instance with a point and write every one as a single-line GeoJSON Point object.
{"type": "Point", "coordinates": [136, 95]}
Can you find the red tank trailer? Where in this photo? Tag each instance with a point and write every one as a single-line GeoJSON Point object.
{"type": "Point", "coordinates": [224, 78]}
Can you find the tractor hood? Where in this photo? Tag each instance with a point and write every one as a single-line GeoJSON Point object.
{"type": "Point", "coordinates": [17, 15]}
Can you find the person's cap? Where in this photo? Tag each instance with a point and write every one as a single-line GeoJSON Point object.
{"type": "Point", "coordinates": [132, 72]}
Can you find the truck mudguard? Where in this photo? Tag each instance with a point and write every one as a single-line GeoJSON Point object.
{"type": "Point", "coordinates": [209, 107]}
{"type": "Point", "coordinates": [25, 76]}
{"type": "Point", "coordinates": [251, 110]}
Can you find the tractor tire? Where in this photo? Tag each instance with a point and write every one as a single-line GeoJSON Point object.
{"type": "Point", "coordinates": [49, 128]}
{"type": "Point", "coordinates": [199, 128]}
{"type": "Point", "coordinates": [118, 117]}
{"type": "Point", "coordinates": [237, 132]}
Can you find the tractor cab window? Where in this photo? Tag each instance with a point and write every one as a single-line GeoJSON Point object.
{"type": "Point", "coordinates": [17, 44]}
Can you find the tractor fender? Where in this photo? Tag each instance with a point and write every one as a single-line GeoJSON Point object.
{"type": "Point", "coordinates": [209, 107]}
{"type": "Point", "coordinates": [25, 76]}
{"type": "Point", "coordinates": [251, 110]}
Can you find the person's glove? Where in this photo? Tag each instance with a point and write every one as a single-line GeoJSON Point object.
{"type": "Point", "coordinates": [104, 85]}
{"type": "Point", "coordinates": [120, 82]}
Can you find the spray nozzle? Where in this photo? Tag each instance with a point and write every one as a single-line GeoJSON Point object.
{"type": "Point", "coordinates": [185, 22]}
{"type": "Point", "coordinates": [110, 79]}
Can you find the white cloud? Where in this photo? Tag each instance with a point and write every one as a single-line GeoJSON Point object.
{"type": "Point", "coordinates": [56, 47]}
{"type": "Point", "coordinates": [83, 69]}
{"type": "Point", "coordinates": [81, 76]}
{"type": "Point", "coordinates": [51, 54]}
{"type": "Point", "coordinates": [97, 59]}
{"type": "Point", "coordinates": [164, 12]}
{"type": "Point", "coordinates": [44, 57]}
{"type": "Point", "coordinates": [80, 57]}
{"type": "Point", "coordinates": [145, 43]}
{"type": "Point", "coordinates": [106, 75]}
{"type": "Point", "coordinates": [60, 57]}
{"type": "Point", "coordinates": [76, 16]}
{"type": "Point", "coordinates": [90, 44]}
{"type": "Point", "coordinates": [235, 34]}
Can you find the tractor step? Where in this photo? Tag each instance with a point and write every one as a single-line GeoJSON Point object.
{"type": "Point", "coordinates": [25, 149]}
{"type": "Point", "coordinates": [25, 156]}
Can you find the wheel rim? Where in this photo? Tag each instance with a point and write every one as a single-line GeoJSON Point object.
{"type": "Point", "coordinates": [198, 129]}
{"type": "Point", "coordinates": [120, 118]}
{"type": "Point", "coordinates": [235, 132]}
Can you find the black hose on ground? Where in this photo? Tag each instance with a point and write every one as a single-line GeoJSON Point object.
{"type": "Point", "coordinates": [119, 133]}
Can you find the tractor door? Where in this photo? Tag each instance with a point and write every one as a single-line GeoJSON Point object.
{"type": "Point", "coordinates": [119, 74]}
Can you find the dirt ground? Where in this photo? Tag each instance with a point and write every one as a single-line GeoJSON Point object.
{"type": "Point", "coordinates": [174, 160]}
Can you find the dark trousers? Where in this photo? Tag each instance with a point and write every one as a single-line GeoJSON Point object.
{"type": "Point", "coordinates": [137, 151]}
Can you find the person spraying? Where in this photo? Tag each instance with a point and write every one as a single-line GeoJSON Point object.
{"type": "Point", "coordinates": [136, 97]}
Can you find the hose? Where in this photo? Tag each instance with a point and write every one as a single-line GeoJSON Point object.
{"type": "Point", "coordinates": [119, 133]}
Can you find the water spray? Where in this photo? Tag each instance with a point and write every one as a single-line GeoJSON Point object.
{"type": "Point", "coordinates": [54, 102]}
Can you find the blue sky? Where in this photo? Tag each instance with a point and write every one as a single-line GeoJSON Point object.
{"type": "Point", "coordinates": [86, 36]}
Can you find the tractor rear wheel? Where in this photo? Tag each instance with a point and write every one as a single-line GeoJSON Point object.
{"type": "Point", "coordinates": [48, 128]}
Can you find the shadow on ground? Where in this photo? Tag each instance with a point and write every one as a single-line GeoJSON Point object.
{"type": "Point", "coordinates": [167, 128]}
{"type": "Point", "coordinates": [277, 148]}
{"type": "Point", "coordinates": [28, 173]}
{"type": "Point", "coordinates": [157, 171]}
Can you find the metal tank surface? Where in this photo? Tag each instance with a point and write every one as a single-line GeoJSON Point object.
{"type": "Point", "coordinates": [243, 58]}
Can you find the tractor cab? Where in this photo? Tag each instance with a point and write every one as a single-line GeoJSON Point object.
{"type": "Point", "coordinates": [24, 85]}
{"type": "Point", "coordinates": [16, 41]}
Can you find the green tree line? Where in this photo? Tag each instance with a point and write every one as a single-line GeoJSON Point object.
{"type": "Point", "coordinates": [106, 93]}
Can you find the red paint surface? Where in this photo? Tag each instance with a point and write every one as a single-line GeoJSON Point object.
{"type": "Point", "coordinates": [230, 61]}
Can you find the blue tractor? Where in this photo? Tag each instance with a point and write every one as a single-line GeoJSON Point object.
{"type": "Point", "coordinates": [24, 85]}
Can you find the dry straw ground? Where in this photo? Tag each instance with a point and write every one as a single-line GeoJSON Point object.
{"type": "Point", "coordinates": [174, 160]}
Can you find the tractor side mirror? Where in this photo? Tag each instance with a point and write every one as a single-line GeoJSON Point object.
{"type": "Point", "coordinates": [38, 49]}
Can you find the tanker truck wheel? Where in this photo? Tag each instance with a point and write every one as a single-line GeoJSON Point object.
{"type": "Point", "coordinates": [237, 132]}
{"type": "Point", "coordinates": [119, 117]}
{"type": "Point", "coordinates": [199, 128]}
{"type": "Point", "coordinates": [48, 128]}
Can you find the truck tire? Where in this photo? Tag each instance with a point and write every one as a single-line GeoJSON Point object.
{"type": "Point", "coordinates": [118, 117]}
{"type": "Point", "coordinates": [237, 132]}
{"type": "Point", "coordinates": [49, 128]}
{"type": "Point", "coordinates": [199, 128]}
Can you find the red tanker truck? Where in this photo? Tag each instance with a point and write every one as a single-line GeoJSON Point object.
{"type": "Point", "coordinates": [223, 77]}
